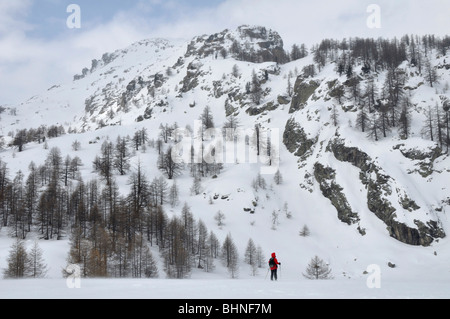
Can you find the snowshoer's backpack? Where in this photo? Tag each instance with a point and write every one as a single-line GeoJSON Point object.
{"type": "Point", "coordinates": [271, 262]}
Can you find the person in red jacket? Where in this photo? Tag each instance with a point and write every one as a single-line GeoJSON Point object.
{"type": "Point", "coordinates": [273, 264]}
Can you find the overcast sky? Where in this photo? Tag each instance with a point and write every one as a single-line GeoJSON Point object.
{"type": "Point", "coordinates": [38, 49]}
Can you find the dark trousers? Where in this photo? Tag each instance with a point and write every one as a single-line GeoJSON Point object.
{"type": "Point", "coordinates": [273, 274]}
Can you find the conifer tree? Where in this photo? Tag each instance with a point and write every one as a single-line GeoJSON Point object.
{"type": "Point", "coordinates": [318, 269]}
{"type": "Point", "coordinates": [446, 108]}
{"type": "Point", "coordinates": [305, 231]}
{"type": "Point", "coordinates": [173, 194]}
{"type": "Point", "coordinates": [121, 156]}
{"type": "Point", "coordinates": [334, 117]}
{"type": "Point", "coordinates": [168, 164]}
{"type": "Point", "coordinates": [260, 259]}
{"type": "Point", "coordinates": [37, 266]}
{"type": "Point", "coordinates": [177, 258]}
{"type": "Point", "coordinates": [278, 178]}
{"type": "Point", "coordinates": [256, 89]}
{"type": "Point", "coordinates": [370, 94]}
{"type": "Point", "coordinates": [439, 120]}
{"type": "Point", "coordinates": [214, 245]}
{"type": "Point", "coordinates": [104, 163]}
{"type": "Point", "coordinates": [362, 119]}
{"type": "Point", "coordinates": [430, 73]}
{"type": "Point", "coordinates": [250, 256]}
{"type": "Point", "coordinates": [18, 261]}
{"type": "Point", "coordinates": [405, 119]}
{"type": "Point", "coordinates": [196, 187]}
{"type": "Point", "coordinates": [229, 255]}
{"type": "Point", "coordinates": [149, 264]}
{"type": "Point", "coordinates": [207, 120]}
{"type": "Point", "coordinates": [20, 139]}
{"type": "Point", "coordinates": [205, 259]}
{"type": "Point", "coordinates": [374, 129]}
{"type": "Point", "coordinates": [428, 129]}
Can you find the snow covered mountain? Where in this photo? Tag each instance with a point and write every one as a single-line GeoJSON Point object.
{"type": "Point", "coordinates": [362, 157]}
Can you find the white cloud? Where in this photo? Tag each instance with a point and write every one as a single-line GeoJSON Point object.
{"type": "Point", "coordinates": [12, 14]}
{"type": "Point", "coordinates": [305, 21]}
{"type": "Point", "coordinates": [30, 65]}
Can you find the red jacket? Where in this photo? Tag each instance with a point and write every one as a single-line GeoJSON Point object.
{"type": "Point", "coordinates": [276, 262]}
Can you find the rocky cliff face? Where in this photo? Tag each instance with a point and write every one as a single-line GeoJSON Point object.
{"type": "Point", "coordinates": [379, 187]}
{"type": "Point", "coordinates": [252, 44]}
{"type": "Point", "coordinates": [318, 133]}
{"type": "Point", "coordinates": [385, 197]}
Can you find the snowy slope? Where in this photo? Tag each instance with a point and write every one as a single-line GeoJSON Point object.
{"type": "Point", "coordinates": [65, 104]}
{"type": "Point", "coordinates": [103, 105]}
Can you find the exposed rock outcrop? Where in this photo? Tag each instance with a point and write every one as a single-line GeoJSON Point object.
{"type": "Point", "coordinates": [326, 177]}
{"type": "Point", "coordinates": [303, 90]}
{"type": "Point", "coordinates": [425, 160]}
{"type": "Point", "coordinates": [190, 81]}
{"type": "Point", "coordinates": [252, 44]}
{"type": "Point", "coordinates": [378, 188]}
{"type": "Point", "coordinates": [296, 140]}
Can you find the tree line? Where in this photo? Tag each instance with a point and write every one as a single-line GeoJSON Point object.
{"type": "Point", "coordinates": [383, 107]}
{"type": "Point", "coordinates": [113, 234]}
{"type": "Point", "coordinates": [39, 135]}
{"type": "Point", "coordinates": [379, 54]}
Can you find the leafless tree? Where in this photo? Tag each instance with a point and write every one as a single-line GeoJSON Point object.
{"type": "Point", "coordinates": [318, 269]}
